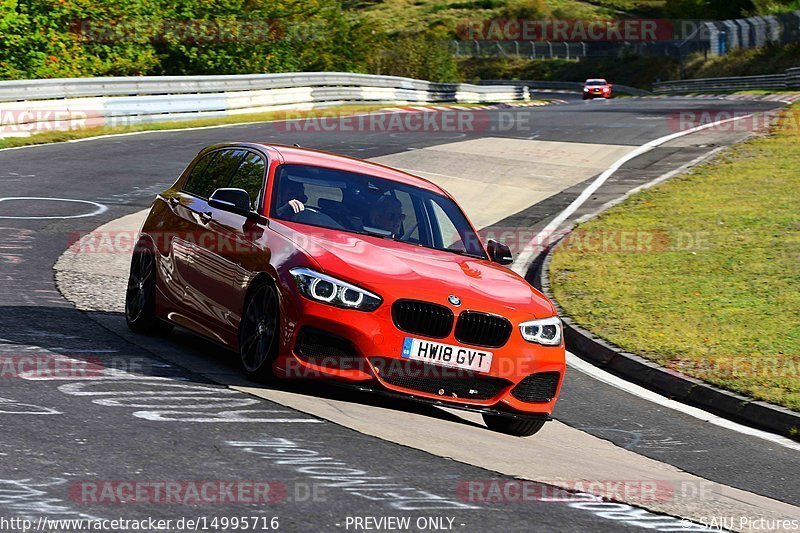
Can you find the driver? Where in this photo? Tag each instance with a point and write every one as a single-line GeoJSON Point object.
{"type": "Point", "coordinates": [387, 214]}
{"type": "Point", "coordinates": [291, 198]}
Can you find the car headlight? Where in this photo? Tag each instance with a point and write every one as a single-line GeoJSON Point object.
{"type": "Point", "coordinates": [332, 291]}
{"type": "Point", "coordinates": [586, 89]}
{"type": "Point", "coordinates": [546, 331]}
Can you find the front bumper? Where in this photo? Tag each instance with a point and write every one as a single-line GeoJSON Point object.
{"type": "Point", "coordinates": [364, 350]}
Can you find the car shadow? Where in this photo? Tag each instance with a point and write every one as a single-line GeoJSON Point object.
{"type": "Point", "coordinates": [103, 340]}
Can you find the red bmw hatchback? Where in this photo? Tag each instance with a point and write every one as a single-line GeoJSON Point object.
{"type": "Point", "coordinates": [314, 265]}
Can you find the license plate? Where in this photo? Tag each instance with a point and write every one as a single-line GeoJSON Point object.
{"type": "Point", "coordinates": [446, 355]}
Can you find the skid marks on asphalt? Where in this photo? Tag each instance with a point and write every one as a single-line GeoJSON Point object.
{"type": "Point", "coordinates": [649, 439]}
{"type": "Point", "coordinates": [31, 499]}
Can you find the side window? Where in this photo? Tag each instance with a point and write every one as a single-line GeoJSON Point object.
{"type": "Point", "coordinates": [447, 232]}
{"type": "Point", "coordinates": [250, 177]}
{"type": "Point", "coordinates": [216, 174]}
{"type": "Point", "coordinates": [197, 171]}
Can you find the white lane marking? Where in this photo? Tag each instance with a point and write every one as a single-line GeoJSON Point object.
{"type": "Point", "coordinates": [609, 379]}
{"type": "Point", "coordinates": [547, 234]}
{"type": "Point", "coordinates": [13, 407]}
{"type": "Point", "coordinates": [99, 208]}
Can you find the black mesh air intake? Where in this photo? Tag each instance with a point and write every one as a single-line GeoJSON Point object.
{"type": "Point", "coordinates": [540, 387]}
{"type": "Point", "coordinates": [319, 347]}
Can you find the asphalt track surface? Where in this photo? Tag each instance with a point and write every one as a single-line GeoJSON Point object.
{"type": "Point", "coordinates": [62, 436]}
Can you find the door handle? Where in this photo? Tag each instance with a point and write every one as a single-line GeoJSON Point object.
{"type": "Point", "coordinates": [206, 216]}
{"type": "Point", "coordinates": [174, 201]}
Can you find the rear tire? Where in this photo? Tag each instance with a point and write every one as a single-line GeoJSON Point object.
{"type": "Point", "coordinates": [258, 333]}
{"type": "Point", "coordinates": [513, 426]}
{"type": "Point", "coordinates": [140, 296]}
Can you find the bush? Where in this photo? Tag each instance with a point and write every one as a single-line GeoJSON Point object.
{"type": "Point", "coordinates": [421, 56]}
{"type": "Point", "coordinates": [62, 38]}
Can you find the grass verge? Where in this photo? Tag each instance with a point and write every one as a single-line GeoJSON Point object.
{"type": "Point", "coordinates": [61, 136]}
{"type": "Point", "coordinates": [701, 274]}
{"type": "Point", "coordinates": [83, 133]}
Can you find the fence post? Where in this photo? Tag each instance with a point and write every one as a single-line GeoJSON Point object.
{"type": "Point", "coordinates": [744, 32]}
{"type": "Point", "coordinates": [583, 48]}
{"type": "Point", "coordinates": [772, 31]}
{"type": "Point", "coordinates": [732, 33]}
{"type": "Point", "coordinates": [477, 48]}
{"type": "Point", "coordinates": [566, 45]}
{"type": "Point", "coordinates": [533, 49]}
{"type": "Point", "coordinates": [516, 47]}
{"type": "Point", "coordinates": [550, 45]}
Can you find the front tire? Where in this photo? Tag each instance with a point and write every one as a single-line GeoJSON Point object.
{"type": "Point", "coordinates": [258, 333]}
{"type": "Point", "coordinates": [512, 426]}
{"type": "Point", "coordinates": [140, 296]}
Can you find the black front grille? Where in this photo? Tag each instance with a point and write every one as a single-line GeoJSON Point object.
{"type": "Point", "coordinates": [422, 318]}
{"type": "Point", "coordinates": [481, 329]}
{"type": "Point", "coordinates": [539, 387]}
{"type": "Point", "coordinates": [322, 348]}
{"type": "Point", "coordinates": [445, 382]}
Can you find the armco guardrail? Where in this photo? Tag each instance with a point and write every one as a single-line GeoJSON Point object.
{"type": "Point", "coordinates": [569, 86]}
{"type": "Point", "coordinates": [788, 80]}
{"type": "Point", "coordinates": [95, 101]}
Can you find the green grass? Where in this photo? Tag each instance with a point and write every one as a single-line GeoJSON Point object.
{"type": "Point", "coordinates": [719, 297]}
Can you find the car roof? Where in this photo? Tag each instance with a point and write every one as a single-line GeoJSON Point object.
{"type": "Point", "coordinates": [599, 80]}
{"type": "Point", "coordinates": [307, 156]}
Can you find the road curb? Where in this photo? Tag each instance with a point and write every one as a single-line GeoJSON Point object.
{"type": "Point", "coordinates": [670, 383]}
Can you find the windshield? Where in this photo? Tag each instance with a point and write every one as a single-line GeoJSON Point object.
{"type": "Point", "coordinates": [359, 203]}
{"type": "Point", "coordinates": [595, 83]}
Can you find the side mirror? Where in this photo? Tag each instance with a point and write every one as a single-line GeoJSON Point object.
{"type": "Point", "coordinates": [499, 252]}
{"type": "Point", "coordinates": [232, 200]}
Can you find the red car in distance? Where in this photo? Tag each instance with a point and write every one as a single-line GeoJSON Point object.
{"type": "Point", "coordinates": [315, 265]}
{"type": "Point", "coordinates": [596, 88]}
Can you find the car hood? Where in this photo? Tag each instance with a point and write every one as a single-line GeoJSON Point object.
{"type": "Point", "coordinates": [400, 270]}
